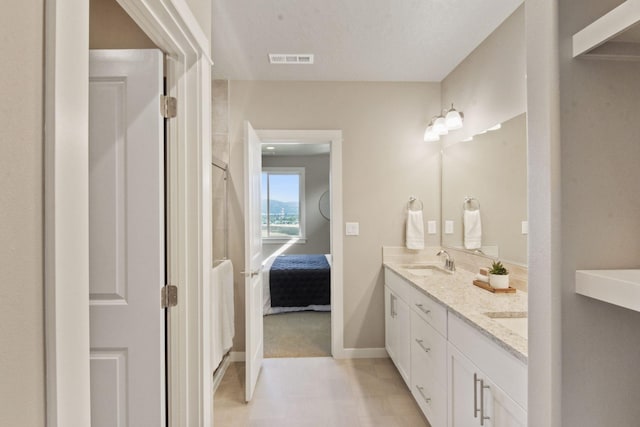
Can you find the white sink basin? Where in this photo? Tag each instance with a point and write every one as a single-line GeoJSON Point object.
{"type": "Point", "coordinates": [424, 270]}
{"type": "Point", "coordinates": [514, 321]}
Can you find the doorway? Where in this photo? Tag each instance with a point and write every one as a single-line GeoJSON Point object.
{"type": "Point", "coordinates": [320, 140]}
{"type": "Point", "coordinates": [254, 303]}
{"type": "Point", "coordinates": [173, 28]}
{"type": "Point", "coordinates": [296, 249]}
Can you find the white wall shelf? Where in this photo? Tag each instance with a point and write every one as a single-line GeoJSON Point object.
{"type": "Point", "coordinates": [618, 287]}
{"type": "Point", "coordinates": [608, 27]}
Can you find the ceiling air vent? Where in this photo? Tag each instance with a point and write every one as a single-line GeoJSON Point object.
{"type": "Point", "coordinates": [290, 58]}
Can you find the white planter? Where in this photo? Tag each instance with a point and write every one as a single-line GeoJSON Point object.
{"type": "Point", "coordinates": [499, 281]}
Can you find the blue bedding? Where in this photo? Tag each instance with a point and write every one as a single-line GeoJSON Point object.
{"type": "Point", "coordinates": [300, 281]}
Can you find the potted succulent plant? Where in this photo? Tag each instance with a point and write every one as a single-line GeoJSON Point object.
{"type": "Point", "coordinates": [498, 276]}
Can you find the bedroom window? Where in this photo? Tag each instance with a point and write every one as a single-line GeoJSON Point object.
{"type": "Point", "coordinates": [282, 203]}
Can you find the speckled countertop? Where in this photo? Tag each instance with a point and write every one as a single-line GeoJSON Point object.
{"type": "Point", "coordinates": [457, 293]}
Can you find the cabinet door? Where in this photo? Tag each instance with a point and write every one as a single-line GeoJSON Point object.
{"type": "Point", "coordinates": [403, 334]}
{"type": "Point", "coordinates": [475, 400]}
{"type": "Point", "coordinates": [463, 392]}
{"type": "Point", "coordinates": [397, 332]}
{"type": "Point", "coordinates": [389, 323]}
{"type": "Point", "coordinates": [500, 408]}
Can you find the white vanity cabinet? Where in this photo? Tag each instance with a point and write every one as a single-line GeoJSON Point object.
{"type": "Point", "coordinates": [491, 390]}
{"type": "Point", "coordinates": [458, 376]}
{"type": "Point", "coordinates": [397, 329]}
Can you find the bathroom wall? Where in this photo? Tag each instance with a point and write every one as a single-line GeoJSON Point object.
{"type": "Point", "coordinates": [600, 225]}
{"type": "Point", "coordinates": [111, 28]}
{"type": "Point", "coordinates": [316, 179]}
{"type": "Point", "coordinates": [21, 216]}
{"type": "Point", "coordinates": [489, 86]}
{"type": "Point", "coordinates": [385, 160]}
{"type": "Point", "coordinates": [220, 150]}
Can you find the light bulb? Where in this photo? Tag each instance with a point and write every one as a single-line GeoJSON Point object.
{"type": "Point", "coordinates": [440, 126]}
{"type": "Point", "coordinates": [453, 119]}
{"type": "Point", "coordinates": [430, 135]}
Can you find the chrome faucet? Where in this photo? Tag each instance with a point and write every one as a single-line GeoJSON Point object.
{"type": "Point", "coordinates": [449, 263]}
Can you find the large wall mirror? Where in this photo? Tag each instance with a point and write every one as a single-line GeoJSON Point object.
{"type": "Point", "coordinates": [488, 173]}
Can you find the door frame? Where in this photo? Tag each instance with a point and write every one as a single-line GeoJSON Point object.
{"type": "Point", "coordinates": [173, 28]}
{"type": "Point", "coordinates": [334, 138]}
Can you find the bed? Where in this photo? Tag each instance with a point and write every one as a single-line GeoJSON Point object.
{"type": "Point", "coordinates": [296, 283]}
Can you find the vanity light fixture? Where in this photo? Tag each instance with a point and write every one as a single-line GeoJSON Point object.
{"type": "Point", "coordinates": [450, 119]}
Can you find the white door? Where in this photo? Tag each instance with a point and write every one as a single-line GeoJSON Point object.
{"type": "Point", "coordinates": [253, 259]}
{"type": "Point", "coordinates": [126, 239]}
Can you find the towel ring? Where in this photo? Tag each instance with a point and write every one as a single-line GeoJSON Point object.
{"type": "Point", "coordinates": [469, 201]}
{"type": "Point", "coordinates": [412, 199]}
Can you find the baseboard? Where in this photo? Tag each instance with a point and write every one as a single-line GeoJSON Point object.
{"type": "Point", "coordinates": [346, 353]}
{"type": "Point", "coordinates": [219, 373]}
{"type": "Point", "coordinates": [365, 353]}
{"type": "Point", "coordinates": [237, 356]}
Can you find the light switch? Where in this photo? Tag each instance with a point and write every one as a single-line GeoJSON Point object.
{"type": "Point", "coordinates": [352, 228]}
{"type": "Point", "coordinates": [448, 227]}
{"type": "Point", "coordinates": [525, 227]}
{"type": "Point", "coordinates": [431, 227]}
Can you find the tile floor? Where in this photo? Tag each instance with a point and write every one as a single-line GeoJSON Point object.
{"type": "Point", "coordinates": [318, 392]}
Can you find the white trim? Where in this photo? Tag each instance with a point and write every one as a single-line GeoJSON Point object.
{"type": "Point", "coordinates": [66, 238]}
{"type": "Point", "coordinates": [334, 138]}
{"type": "Point", "coordinates": [170, 24]}
{"type": "Point", "coordinates": [366, 353]}
{"type": "Point", "coordinates": [606, 27]}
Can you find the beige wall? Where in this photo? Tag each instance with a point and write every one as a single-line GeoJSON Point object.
{"type": "Point", "coordinates": [600, 225]}
{"type": "Point", "coordinates": [111, 28]}
{"type": "Point", "coordinates": [489, 86]}
{"type": "Point", "coordinates": [219, 184]}
{"type": "Point", "coordinates": [21, 216]}
{"type": "Point", "coordinates": [203, 12]}
{"type": "Point", "coordinates": [384, 162]}
{"type": "Point", "coordinates": [316, 182]}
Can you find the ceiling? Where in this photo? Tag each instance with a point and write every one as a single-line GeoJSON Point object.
{"type": "Point", "coordinates": [352, 40]}
{"type": "Point", "coordinates": [294, 149]}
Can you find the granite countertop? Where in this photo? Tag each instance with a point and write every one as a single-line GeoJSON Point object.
{"type": "Point", "coordinates": [457, 294]}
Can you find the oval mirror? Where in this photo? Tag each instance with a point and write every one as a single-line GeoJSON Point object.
{"type": "Point", "coordinates": [324, 205]}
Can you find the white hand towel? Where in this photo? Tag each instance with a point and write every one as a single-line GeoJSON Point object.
{"type": "Point", "coordinates": [228, 328]}
{"type": "Point", "coordinates": [472, 229]}
{"type": "Point", "coordinates": [415, 230]}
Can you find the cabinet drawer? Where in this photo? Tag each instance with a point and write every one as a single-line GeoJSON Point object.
{"type": "Point", "coordinates": [430, 395]}
{"type": "Point", "coordinates": [429, 310]}
{"type": "Point", "coordinates": [429, 348]}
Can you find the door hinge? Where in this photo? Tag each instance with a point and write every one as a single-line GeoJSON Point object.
{"type": "Point", "coordinates": [168, 106]}
{"type": "Point", "coordinates": [169, 296]}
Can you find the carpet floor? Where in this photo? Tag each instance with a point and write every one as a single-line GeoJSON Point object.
{"type": "Point", "coordinates": [299, 334]}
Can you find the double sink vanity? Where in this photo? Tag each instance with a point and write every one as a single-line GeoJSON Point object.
{"type": "Point", "coordinates": [460, 349]}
